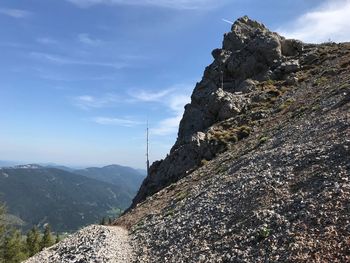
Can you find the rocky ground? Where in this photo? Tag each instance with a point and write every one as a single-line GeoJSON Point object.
{"type": "Point", "coordinates": [276, 187]}
{"type": "Point", "coordinates": [91, 244]}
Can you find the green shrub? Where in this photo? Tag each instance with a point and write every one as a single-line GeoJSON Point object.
{"type": "Point", "coordinates": [263, 140]}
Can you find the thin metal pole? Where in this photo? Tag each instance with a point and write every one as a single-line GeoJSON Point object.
{"type": "Point", "coordinates": [147, 149]}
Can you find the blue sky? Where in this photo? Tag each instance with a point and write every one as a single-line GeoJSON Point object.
{"type": "Point", "coordinates": [79, 78]}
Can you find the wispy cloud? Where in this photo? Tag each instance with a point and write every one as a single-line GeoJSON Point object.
{"type": "Point", "coordinates": [167, 126]}
{"type": "Point", "coordinates": [173, 4]}
{"type": "Point", "coordinates": [227, 21]}
{"type": "Point", "coordinates": [87, 102]}
{"type": "Point", "coordinates": [148, 96]}
{"type": "Point", "coordinates": [170, 125]}
{"type": "Point", "coordinates": [125, 122]}
{"type": "Point", "coordinates": [87, 40]}
{"type": "Point", "coordinates": [330, 21]}
{"type": "Point", "coordinates": [46, 41]}
{"type": "Point", "coordinates": [173, 99]}
{"type": "Point", "coordinates": [15, 13]}
{"type": "Point", "coordinates": [69, 61]}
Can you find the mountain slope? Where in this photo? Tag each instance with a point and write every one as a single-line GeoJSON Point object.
{"type": "Point", "coordinates": [67, 201]}
{"type": "Point", "coordinates": [124, 177]}
{"type": "Point", "coordinates": [260, 171]}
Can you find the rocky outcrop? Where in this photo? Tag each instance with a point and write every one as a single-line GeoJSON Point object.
{"type": "Point", "coordinates": [279, 191]}
{"type": "Point", "coordinates": [250, 54]}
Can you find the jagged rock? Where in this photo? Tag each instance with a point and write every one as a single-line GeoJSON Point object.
{"type": "Point", "coordinates": [247, 86]}
{"type": "Point", "coordinates": [290, 66]}
{"type": "Point", "coordinates": [250, 54]}
{"type": "Point", "coordinates": [291, 47]}
{"type": "Point", "coordinates": [280, 195]}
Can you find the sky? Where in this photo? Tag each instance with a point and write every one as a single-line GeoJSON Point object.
{"type": "Point", "coordinates": [80, 78]}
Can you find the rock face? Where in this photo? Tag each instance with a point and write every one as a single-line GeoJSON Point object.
{"type": "Point", "coordinates": [250, 54]}
{"type": "Point", "coordinates": [273, 145]}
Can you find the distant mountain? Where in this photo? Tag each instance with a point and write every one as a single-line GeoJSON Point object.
{"type": "Point", "coordinates": [125, 177]}
{"type": "Point", "coordinates": [7, 163]}
{"type": "Point", "coordinates": [60, 167]}
{"type": "Point", "coordinates": [66, 200]}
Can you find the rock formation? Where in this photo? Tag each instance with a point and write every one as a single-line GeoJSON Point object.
{"type": "Point", "coordinates": [250, 54]}
{"type": "Point", "coordinates": [260, 170]}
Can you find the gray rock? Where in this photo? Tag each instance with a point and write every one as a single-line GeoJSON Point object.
{"type": "Point", "coordinates": [290, 66]}
{"type": "Point", "coordinates": [291, 47]}
{"type": "Point", "coordinates": [250, 53]}
{"type": "Point", "coordinates": [247, 86]}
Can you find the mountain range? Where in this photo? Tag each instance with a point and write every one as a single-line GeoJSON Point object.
{"type": "Point", "coordinates": [66, 198]}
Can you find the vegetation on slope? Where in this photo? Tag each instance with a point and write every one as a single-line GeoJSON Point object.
{"type": "Point", "coordinates": [65, 200]}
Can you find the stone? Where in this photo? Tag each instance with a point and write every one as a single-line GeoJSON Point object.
{"type": "Point", "coordinates": [247, 86]}
{"type": "Point", "coordinates": [291, 47]}
{"type": "Point", "coordinates": [290, 66]}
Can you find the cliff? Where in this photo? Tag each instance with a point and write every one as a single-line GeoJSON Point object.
{"type": "Point", "coordinates": [231, 95]}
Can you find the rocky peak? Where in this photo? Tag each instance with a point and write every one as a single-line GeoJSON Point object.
{"type": "Point", "coordinates": [250, 55]}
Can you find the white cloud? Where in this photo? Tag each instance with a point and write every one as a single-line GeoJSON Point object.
{"type": "Point", "coordinates": [87, 102]}
{"type": "Point", "coordinates": [175, 103]}
{"type": "Point", "coordinates": [167, 126]}
{"type": "Point", "coordinates": [173, 4]}
{"type": "Point", "coordinates": [173, 99]}
{"type": "Point", "coordinates": [68, 61]}
{"type": "Point", "coordinates": [46, 41]}
{"type": "Point", "coordinates": [330, 21]}
{"type": "Point", "coordinates": [146, 96]}
{"type": "Point", "coordinates": [87, 40]}
{"type": "Point", "coordinates": [15, 13]}
{"type": "Point", "coordinates": [125, 122]}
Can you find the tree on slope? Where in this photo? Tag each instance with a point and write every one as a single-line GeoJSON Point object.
{"type": "Point", "coordinates": [33, 241]}
{"type": "Point", "coordinates": [2, 230]}
{"type": "Point", "coordinates": [2, 221]}
{"type": "Point", "coordinates": [58, 239]}
{"type": "Point", "coordinates": [47, 239]}
{"type": "Point", "coordinates": [13, 247]}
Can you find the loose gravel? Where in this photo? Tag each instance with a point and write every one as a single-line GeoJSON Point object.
{"type": "Point", "coordinates": [98, 244]}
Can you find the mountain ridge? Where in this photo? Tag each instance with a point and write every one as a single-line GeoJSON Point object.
{"type": "Point", "coordinates": [64, 198]}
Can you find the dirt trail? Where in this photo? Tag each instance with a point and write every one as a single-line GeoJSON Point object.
{"type": "Point", "coordinates": [91, 244]}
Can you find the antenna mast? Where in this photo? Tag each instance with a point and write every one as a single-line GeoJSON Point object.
{"type": "Point", "coordinates": [147, 149]}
